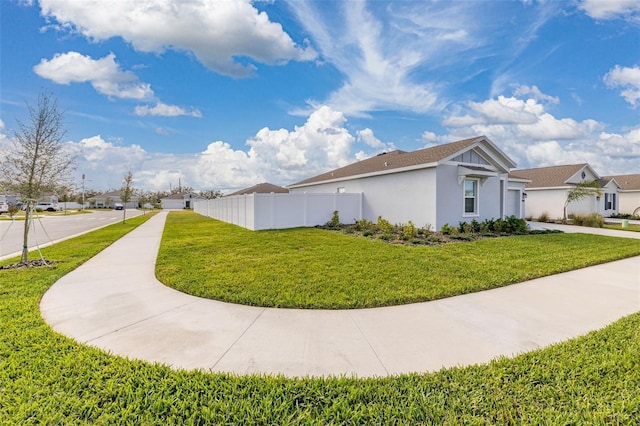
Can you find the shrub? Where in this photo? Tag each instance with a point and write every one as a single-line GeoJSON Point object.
{"type": "Point", "coordinates": [367, 233]}
{"type": "Point", "coordinates": [38, 210]}
{"type": "Point", "coordinates": [13, 210]}
{"type": "Point", "coordinates": [364, 225]}
{"type": "Point", "coordinates": [335, 220]}
{"type": "Point", "coordinates": [409, 231]}
{"type": "Point", "coordinates": [487, 226]}
{"type": "Point", "coordinates": [384, 225]}
{"type": "Point", "coordinates": [593, 220]}
{"type": "Point", "coordinates": [475, 226]}
{"type": "Point", "coordinates": [544, 217]}
{"type": "Point", "coordinates": [446, 229]}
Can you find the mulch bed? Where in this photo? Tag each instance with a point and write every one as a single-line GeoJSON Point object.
{"type": "Point", "coordinates": [30, 264]}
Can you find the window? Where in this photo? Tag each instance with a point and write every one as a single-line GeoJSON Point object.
{"type": "Point", "coordinates": [609, 201]}
{"type": "Point", "coordinates": [470, 196]}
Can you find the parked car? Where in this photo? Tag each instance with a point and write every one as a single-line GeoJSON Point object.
{"type": "Point", "coordinates": [50, 207]}
{"type": "Point", "coordinates": [4, 207]}
{"type": "Point", "coordinates": [118, 206]}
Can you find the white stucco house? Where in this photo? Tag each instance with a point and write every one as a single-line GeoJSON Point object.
{"type": "Point", "coordinates": [628, 193]}
{"type": "Point", "coordinates": [449, 183]}
{"type": "Point", "coordinates": [180, 200]}
{"type": "Point", "coordinates": [548, 188]}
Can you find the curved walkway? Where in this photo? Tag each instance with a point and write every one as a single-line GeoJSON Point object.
{"type": "Point", "coordinates": [114, 302]}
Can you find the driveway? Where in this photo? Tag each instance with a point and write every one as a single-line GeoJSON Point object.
{"type": "Point", "coordinates": [51, 229]}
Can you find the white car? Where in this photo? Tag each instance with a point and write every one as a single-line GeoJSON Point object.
{"type": "Point", "coordinates": [4, 207]}
{"type": "Point", "coordinates": [50, 207]}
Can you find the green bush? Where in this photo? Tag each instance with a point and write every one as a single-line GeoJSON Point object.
{"type": "Point", "coordinates": [38, 210]}
{"type": "Point", "coordinates": [364, 225]}
{"type": "Point", "coordinates": [335, 220]}
{"type": "Point", "coordinates": [446, 229]}
{"type": "Point", "coordinates": [409, 231]}
{"type": "Point", "coordinates": [384, 226]}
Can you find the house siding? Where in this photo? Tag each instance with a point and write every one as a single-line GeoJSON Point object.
{"type": "Point", "coordinates": [413, 194]}
{"type": "Point", "coordinates": [450, 192]}
{"type": "Point", "coordinates": [628, 201]}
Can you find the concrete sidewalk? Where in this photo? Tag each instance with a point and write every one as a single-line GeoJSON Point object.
{"type": "Point", "coordinates": [114, 302]}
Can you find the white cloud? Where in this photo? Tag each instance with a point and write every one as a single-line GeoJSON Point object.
{"type": "Point", "coordinates": [545, 140]}
{"type": "Point", "coordinates": [611, 9]}
{"type": "Point", "coordinates": [280, 156]}
{"type": "Point", "coordinates": [216, 32]}
{"type": "Point", "coordinates": [165, 110]}
{"type": "Point", "coordinates": [369, 139]}
{"type": "Point", "coordinates": [104, 75]}
{"type": "Point", "coordinates": [629, 79]}
{"type": "Point", "coordinates": [320, 144]}
{"type": "Point", "coordinates": [537, 94]}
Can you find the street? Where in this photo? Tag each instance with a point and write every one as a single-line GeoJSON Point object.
{"type": "Point", "coordinates": [49, 229]}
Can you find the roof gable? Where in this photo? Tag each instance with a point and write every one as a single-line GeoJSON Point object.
{"type": "Point", "coordinates": [626, 182]}
{"type": "Point", "coordinates": [557, 176]}
{"type": "Point", "coordinates": [398, 161]}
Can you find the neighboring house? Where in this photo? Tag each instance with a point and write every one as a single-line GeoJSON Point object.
{"type": "Point", "coordinates": [449, 183]}
{"type": "Point", "coordinates": [261, 188]}
{"type": "Point", "coordinates": [628, 194]}
{"type": "Point", "coordinates": [109, 199]}
{"type": "Point", "coordinates": [549, 186]}
{"type": "Point", "coordinates": [180, 200]}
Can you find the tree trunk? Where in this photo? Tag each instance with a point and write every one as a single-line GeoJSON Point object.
{"type": "Point", "coordinates": [25, 241]}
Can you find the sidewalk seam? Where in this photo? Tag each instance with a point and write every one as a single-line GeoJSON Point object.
{"type": "Point", "coordinates": [364, 336]}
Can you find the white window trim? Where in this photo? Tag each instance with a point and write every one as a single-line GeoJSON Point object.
{"type": "Point", "coordinates": [477, 198]}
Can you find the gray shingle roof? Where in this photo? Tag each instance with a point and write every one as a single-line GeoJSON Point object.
{"type": "Point", "coordinates": [393, 160]}
{"type": "Point", "coordinates": [261, 188]}
{"type": "Point", "coordinates": [626, 182]}
{"type": "Point", "coordinates": [548, 177]}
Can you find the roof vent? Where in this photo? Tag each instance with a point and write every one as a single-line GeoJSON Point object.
{"type": "Point", "coordinates": [382, 153]}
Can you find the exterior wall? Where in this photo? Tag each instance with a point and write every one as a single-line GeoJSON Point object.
{"type": "Point", "coordinates": [609, 190]}
{"type": "Point", "coordinates": [450, 196]}
{"type": "Point", "coordinates": [170, 203]}
{"type": "Point", "coordinates": [397, 197]}
{"type": "Point", "coordinates": [280, 211]}
{"type": "Point", "coordinates": [628, 201]}
{"type": "Point", "coordinates": [552, 202]}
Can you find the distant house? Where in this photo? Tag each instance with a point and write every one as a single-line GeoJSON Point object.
{"type": "Point", "coordinates": [549, 186]}
{"type": "Point", "coordinates": [628, 193]}
{"type": "Point", "coordinates": [180, 200]}
{"type": "Point", "coordinates": [449, 183]}
{"type": "Point", "coordinates": [109, 199]}
{"type": "Point", "coordinates": [261, 188]}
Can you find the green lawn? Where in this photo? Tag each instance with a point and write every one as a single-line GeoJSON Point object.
{"type": "Point", "coordinates": [618, 226]}
{"type": "Point", "coordinates": [46, 378]}
{"type": "Point", "coordinates": [314, 268]}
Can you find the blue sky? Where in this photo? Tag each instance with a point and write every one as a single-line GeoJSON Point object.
{"type": "Point", "coordinates": [224, 95]}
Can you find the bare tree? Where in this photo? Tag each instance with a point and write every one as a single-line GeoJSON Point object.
{"type": "Point", "coordinates": [580, 191]}
{"type": "Point", "coordinates": [37, 162]}
{"type": "Point", "coordinates": [126, 193]}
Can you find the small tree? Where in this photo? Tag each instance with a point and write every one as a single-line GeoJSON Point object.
{"type": "Point", "coordinates": [126, 194]}
{"type": "Point", "coordinates": [210, 194]}
{"type": "Point", "coordinates": [37, 162]}
{"type": "Point", "coordinates": [580, 191]}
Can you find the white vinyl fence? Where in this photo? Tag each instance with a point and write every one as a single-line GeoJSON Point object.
{"type": "Point", "coordinates": [279, 211]}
